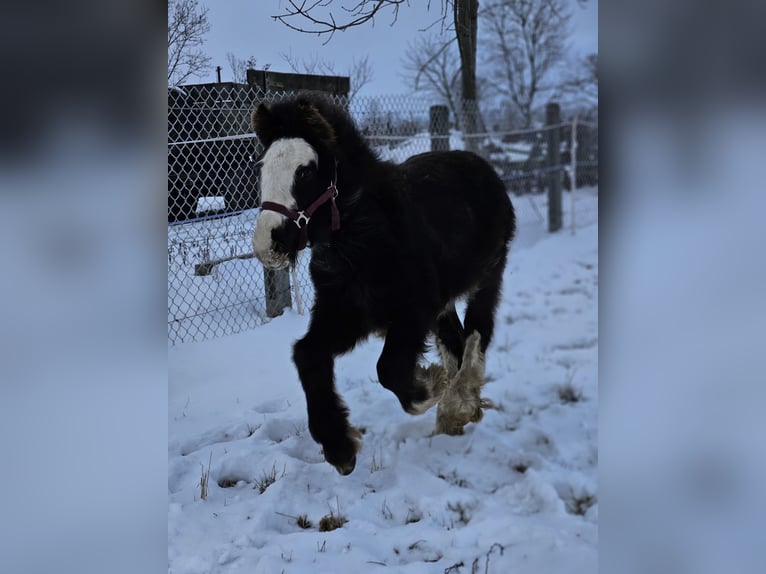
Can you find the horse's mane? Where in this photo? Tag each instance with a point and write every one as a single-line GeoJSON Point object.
{"type": "Point", "coordinates": [325, 125]}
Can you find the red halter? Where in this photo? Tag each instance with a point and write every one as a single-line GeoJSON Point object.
{"type": "Point", "coordinates": [302, 218]}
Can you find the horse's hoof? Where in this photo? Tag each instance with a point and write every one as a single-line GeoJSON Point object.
{"type": "Point", "coordinates": [344, 462]}
{"type": "Point", "coordinates": [347, 467]}
{"type": "Point", "coordinates": [452, 428]}
{"type": "Point", "coordinates": [343, 456]}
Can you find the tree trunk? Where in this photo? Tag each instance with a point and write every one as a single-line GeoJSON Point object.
{"type": "Point", "coordinates": [466, 30]}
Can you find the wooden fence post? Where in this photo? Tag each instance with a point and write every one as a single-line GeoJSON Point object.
{"type": "Point", "coordinates": [553, 118]}
{"type": "Point", "coordinates": [277, 283]}
{"type": "Point", "coordinates": [438, 126]}
{"type": "Point", "coordinates": [573, 178]}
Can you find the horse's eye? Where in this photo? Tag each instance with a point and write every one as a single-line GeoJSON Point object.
{"type": "Point", "coordinates": [302, 173]}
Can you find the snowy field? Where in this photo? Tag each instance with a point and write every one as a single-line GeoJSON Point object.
{"type": "Point", "coordinates": [518, 492]}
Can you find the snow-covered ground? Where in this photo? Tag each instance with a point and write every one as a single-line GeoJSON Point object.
{"type": "Point", "coordinates": [517, 492]}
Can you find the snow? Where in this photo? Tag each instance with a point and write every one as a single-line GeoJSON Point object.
{"type": "Point", "coordinates": [407, 147]}
{"type": "Point", "coordinates": [518, 492]}
{"type": "Point", "coordinates": [211, 203]}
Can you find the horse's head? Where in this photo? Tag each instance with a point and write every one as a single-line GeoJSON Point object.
{"type": "Point", "coordinates": [297, 174]}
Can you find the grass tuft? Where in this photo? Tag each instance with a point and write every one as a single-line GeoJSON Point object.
{"type": "Point", "coordinates": [579, 505]}
{"type": "Point", "coordinates": [386, 511]}
{"type": "Point", "coordinates": [377, 465]}
{"type": "Point", "coordinates": [568, 394]}
{"type": "Point", "coordinates": [413, 516]}
{"type": "Point", "coordinates": [304, 522]}
{"type": "Point", "coordinates": [205, 478]}
{"type": "Point", "coordinates": [463, 512]}
{"type": "Point", "coordinates": [267, 479]}
{"type": "Point", "coordinates": [520, 467]}
{"type": "Point", "coordinates": [332, 521]}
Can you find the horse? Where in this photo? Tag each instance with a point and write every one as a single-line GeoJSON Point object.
{"type": "Point", "coordinates": [393, 247]}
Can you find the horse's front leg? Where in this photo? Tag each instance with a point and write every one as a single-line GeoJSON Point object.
{"type": "Point", "coordinates": [314, 357]}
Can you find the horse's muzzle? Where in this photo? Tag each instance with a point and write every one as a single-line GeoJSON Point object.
{"type": "Point", "coordinates": [271, 259]}
{"type": "Point", "coordinates": [269, 252]}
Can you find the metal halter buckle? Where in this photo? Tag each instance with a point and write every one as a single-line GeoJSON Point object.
{"type": "Point", "coordinates": [301, 219]}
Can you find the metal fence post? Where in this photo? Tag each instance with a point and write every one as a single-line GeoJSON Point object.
{"type": "Point", "coordinates": [552, 120]}
{"type": "Point", "coordinates": [438, 127]}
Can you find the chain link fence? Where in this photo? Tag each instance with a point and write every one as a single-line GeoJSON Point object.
{"type": "Point", "coordinates": [215, 286]}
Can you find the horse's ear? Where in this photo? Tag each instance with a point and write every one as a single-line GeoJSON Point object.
{"type": "Point", "coordinates": [317, 122]}
{"type": "Point", "coordinates": [261, 122]}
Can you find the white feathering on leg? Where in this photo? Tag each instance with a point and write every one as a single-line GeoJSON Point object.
{"type": "Point", "coordinates": [435, 379]}
{"type": "Point", "coordinates": [462, 402]}
{"type": "Point", "coordinates": [448, 360]}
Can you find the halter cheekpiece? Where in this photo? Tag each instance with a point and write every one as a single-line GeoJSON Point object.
{"type": "Point", "coordinates": [303, 217]}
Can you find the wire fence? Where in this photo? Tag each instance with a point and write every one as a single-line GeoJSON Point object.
{"type": "Point", "coordinates": [215, 286]}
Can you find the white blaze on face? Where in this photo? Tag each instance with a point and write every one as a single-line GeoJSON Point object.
{"type": "Point", "coordinates": [277, 174]}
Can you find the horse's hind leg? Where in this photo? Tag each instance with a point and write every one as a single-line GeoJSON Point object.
{"type": "Point", "coordinates": [462, 402]}
{"type": "Point", "coordinates": [450, 340]}
{"type": "Point", "coordinates": [480, 312]}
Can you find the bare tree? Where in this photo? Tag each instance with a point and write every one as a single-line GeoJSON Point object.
{"type": "Point", "coordinates": [239, 67]}
{"type": "Point", "coordinates": [578, 89]}
{"type": "Point", "coordinates": [317, 17]}
{"type": "Point", "coordinates": [582, 79]}
{"type": "Point", "coordinates": [360, 72]}
{"type": "Point", "coordinates": [312, 65]}
{"type": "Point", "coordinates": [187, 26]}
{"type": "Point", "coordinates": [431, 65]}
{"type": "Point", "coordinates": [526, 41]}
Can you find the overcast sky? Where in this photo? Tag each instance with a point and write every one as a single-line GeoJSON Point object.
{"type": "Point", "coordinates": [245, 28]}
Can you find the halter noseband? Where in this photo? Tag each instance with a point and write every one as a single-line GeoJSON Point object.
{"type": "Point", "coordinates": [302, 218]}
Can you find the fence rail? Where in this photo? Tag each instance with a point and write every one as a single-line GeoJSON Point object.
{"type": "Point", "coordinates": [214, 289]}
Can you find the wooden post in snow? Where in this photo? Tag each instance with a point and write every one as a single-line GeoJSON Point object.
{"type": "Point", "coordinates": [552, 120]}
{"type": "Point", "coordinates": [438, 126]}
{"type": "Point", "coordinates": [277, 291]}
{"type": "Point", "coordinates": [573, 178]}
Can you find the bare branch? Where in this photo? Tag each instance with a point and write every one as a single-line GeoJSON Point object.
{"type": "Point", "coordinates": [187, 26]}
{"type": "Point", "coordinates": [313, 65]}
{"type": "Point", "coordinates": [581, 81]}
{"type": "Point", "coordinates": [239, 67]}
{"type": "Point", "coordinates": [360, 72]}
{"type": "Point", "coordinates": [310, 21]}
